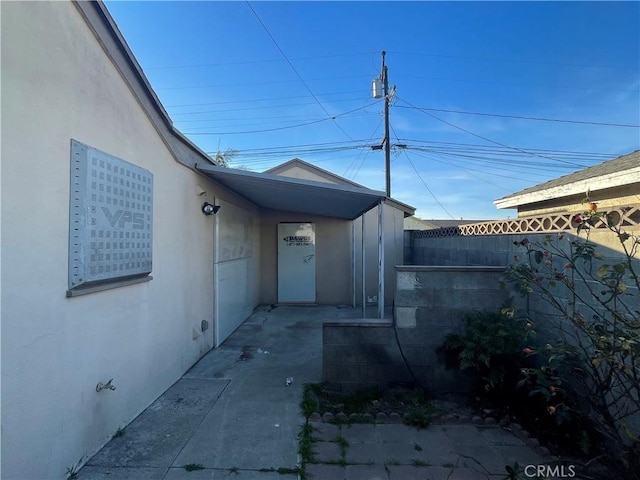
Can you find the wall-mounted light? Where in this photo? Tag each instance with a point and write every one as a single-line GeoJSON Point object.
{"type": "Point", "coordinates": [209, 209]}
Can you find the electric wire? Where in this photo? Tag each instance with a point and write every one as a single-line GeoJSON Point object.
{"type": "Point", "coordinates": [250, 62]}
{"type": "Point", "coordinates": [281, 128]}
{"type": "Point", "coordinates": [539, 119]}
{"type": "Point", "coordinates": [297, 73]}
{"type": "Point", "coordinates": [362, 156]}
{"type": "Point", "coordinates": [488, 139]}
{"type": "Point", "coordinates": [506, 60]}
{"type": "Point", "coordinates": [427, 186]}
{"type": "Point", "coordinates": [421, 179]}
{"type": "Point", "coordinates": [253, 84]}
{"type": "Point", "coordinates": [254, 100]}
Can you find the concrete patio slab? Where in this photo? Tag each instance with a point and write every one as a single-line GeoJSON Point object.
{"type": "Point", "coordinates": [323, 471]}
{"type": "Point", "coordinates": [366, 472]}
{"type": "Point", "coordinates": [233, 414]}
{"type": "Point", "coordinates": [215, 474]}
{"type": "Point", "coordinates": [157, 436]}
{"type": "Point", "coordinates": [327, 452]}
{"type": "Point", "coordinates": [121, 473]}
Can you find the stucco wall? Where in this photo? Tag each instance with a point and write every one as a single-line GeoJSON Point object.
{"type": "Point", "coordinates": [295, 171]}
{"type": "Point", "coordinates": [334, 253]}
{"type": "Point", "coordinates": [333, 257]}
{"type": "Point", "coordinates": [58, 84]}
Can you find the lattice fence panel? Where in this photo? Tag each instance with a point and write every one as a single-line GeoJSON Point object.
{"type": "Point", "coordinates": [560, 222]}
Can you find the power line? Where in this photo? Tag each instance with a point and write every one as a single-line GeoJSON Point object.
{"type": "Point", "coordinates": [333, 118]}
{"type": "Point", "coordinates": [485, 59]}
{"type": "Point", "coordinates": [427, 186]}
{"type": "Point", "coordinates": [488, 139]}
{"type": "Point", "coordinates": [420, 176]}
{"type": "Point", "coordinates": [471, 170]}
{"type": "Point", "coordinates": [539, 119]}
{"type": "Point", "coordinates": [255, 108]}
{"type": "Point", "coordinates": [251, 62]}
{"type": "Point", "coordinates": [276, 99]}
{"type": "Point", "coordinates": [297, 73]}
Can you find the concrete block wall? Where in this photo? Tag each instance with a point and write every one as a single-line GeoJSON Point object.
{"type": "Point", "coordinates": [429, 304]}
{"type": "Point", "coordinates": [499, 250]}
{"type": "Point", "coordinates": [361, 353]}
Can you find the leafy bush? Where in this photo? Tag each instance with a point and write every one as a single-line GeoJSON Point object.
{"type": "Point", "coordinates": [591, 369]}
{"type": "Point", "coordinates": [490, 345]}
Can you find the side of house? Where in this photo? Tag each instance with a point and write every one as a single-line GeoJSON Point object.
{"type": "Point", "coordinates": [67, 77]}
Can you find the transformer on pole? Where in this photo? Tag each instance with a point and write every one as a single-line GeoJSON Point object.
{"type": "Point", "coordinates": [380, 88]}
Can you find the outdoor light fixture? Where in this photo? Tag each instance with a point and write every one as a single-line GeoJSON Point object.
{"type": "Point", "coordinates": [209, 209]}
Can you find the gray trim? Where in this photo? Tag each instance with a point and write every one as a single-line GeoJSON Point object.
{"type": "Point", "coordinates": [275, 192]}
{"type": "Point", "coordinates": [448, 268]}
{"type": "Point", "coordinates": [77, 292]}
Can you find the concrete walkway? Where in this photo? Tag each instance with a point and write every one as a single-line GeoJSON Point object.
{"type": "Point", "coordinates": [233, 416]}
{"type": "Point", "coordinates": [400, 452]}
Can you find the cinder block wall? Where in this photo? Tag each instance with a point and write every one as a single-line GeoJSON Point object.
{"type": "Point", "coordinates": [429, 304]}
{"type": "Point", "coordinates": [361, 353]}
{"type": "Point", "coordinates": [500, 250]}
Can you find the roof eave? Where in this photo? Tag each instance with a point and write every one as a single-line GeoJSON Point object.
{"type": "Point", "coordinates": [617, 179]}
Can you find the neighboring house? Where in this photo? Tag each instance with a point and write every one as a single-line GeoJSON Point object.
{"type": "Point", "coordinates": [110, 269]}
{"type": "Point", "coordinates": [610, 184]}
{"type": "Point", "coordinates": [395, 213]}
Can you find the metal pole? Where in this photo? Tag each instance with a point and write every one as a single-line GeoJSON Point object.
{"type": "Point", "coordinates": [364, 280]}
{"type": "Point", "coordinates": [387, 140]}
{"type": "Point", "coordinates": [353, 264]}
{"type": "Point", "coordinates": [381, 259]}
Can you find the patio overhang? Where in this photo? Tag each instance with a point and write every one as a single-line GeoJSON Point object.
{"type": "Point", "coordinates": [274, 192]}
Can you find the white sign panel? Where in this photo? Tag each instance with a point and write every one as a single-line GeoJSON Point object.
{"type": "Point", "coordinates": [296, 263]}
{"type": "Point", "coordinates": [110, 217]}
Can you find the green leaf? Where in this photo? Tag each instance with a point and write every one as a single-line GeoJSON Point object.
{"type": "Point", "coordinates": [538, 256]}
{"type": "Point", "coordinates": [602, 270]}
{"type": "Point", "coordinates": [620, 267]}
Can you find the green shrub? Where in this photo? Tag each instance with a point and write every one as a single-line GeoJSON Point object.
{"type": "Point", "coordinates": [491, 345]}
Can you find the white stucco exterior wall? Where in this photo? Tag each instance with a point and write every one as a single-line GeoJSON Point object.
{"type": "Point", "coordinates": [58, 84]}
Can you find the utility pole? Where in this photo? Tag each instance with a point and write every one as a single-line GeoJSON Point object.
{"type": "Point", "coordinates": [383, 81]}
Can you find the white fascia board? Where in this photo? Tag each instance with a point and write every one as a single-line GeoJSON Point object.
{"type": "Point", "coordinates": [617, 179]}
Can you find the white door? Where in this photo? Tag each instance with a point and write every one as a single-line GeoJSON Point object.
{"type": "Point", "coordinates": [296, 263]}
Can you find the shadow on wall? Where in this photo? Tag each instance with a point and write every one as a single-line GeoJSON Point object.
{"type": "Point", "coordinates": [429, 304]}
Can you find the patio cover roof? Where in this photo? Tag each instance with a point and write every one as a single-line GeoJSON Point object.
{"type": "Point", "coordinates": [275, 192]}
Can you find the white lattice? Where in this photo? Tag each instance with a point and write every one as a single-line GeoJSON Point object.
{"type": "Point", "coordinates": [627, 217]}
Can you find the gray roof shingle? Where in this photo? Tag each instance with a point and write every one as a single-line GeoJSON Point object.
{"type": "Point", "coordinates": [619, 164]}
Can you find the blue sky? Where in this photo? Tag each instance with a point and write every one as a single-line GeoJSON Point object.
{"type": "Point", "coordinates": [491, 97]}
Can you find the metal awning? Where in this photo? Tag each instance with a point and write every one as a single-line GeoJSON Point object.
{"type": "Point", "coordinates": [275, 192]}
